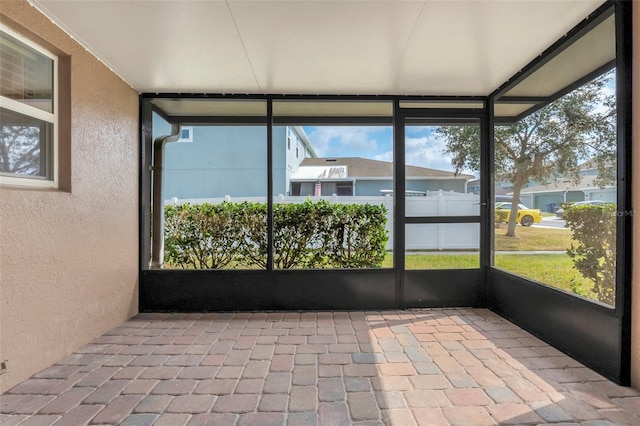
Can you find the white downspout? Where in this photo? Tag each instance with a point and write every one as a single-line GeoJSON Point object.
{"type": "Point", "coordinates": [157, 215]}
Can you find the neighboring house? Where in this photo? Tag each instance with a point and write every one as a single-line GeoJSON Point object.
{"type": "Point", "coordinates": [564, 190]}
{"type": "Point", "coordinates": [501, 188]}
{"type": "Point", "coordinates": [546, 197]}
{"type": "Point", "coordinates": [473, 186]}
{"type": "Point", "coordinates": [216, 161]}
{"type": "Point", "coordinates": [298, 148]}
{"type": "Point", "coordinates": [363, 177]}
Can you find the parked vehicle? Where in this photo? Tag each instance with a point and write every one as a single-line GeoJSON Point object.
{"type": "Point", "coordinates": [505, 199]}
{"type": "Point", "coordinates": [526, 216]}
{"type": "Point", "coordinates": [560, 212]}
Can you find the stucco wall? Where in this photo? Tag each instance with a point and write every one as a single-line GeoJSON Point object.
{"type": "Point", "coordinates": [68, 259]}
{"type": "Point", "coordinates": [635, 318]}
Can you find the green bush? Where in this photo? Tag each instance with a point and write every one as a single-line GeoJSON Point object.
{"type": "Point", "coordinates": [306, 235]}
{"type": "Point", "coordinates": [355, 236]}
{"type": "Point", "coordinates": [500, 217]}
{"type": "Point", "coordinates": [594, 251]}
{"type": "Point", "coordinates": [201, 236]}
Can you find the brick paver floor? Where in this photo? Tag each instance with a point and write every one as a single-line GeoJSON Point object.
{"type": "Point", "coordinates": [416, 367]}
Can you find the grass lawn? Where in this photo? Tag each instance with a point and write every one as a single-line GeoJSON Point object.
{"type": "Point", "coordinates": [436, 261]}
{"type": "Point", "coordinates": [553, 269]}
{"type": "Point", "coordinates": [532, 239]}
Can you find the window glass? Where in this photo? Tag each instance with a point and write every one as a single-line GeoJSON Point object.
{"type": "Point", "coordinates": [27, 74]}
{"type": "Point", "coordinates": [556, 193]}
{"type": "Point", "coordinates": [24, 143]}
{"type": "Point", "coordinates": [28, 141]}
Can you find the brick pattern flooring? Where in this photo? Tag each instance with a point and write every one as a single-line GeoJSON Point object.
{"type": "Point", "coordinates": [424, 367]}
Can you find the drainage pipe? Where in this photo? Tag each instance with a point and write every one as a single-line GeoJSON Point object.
{"type": "Point", "coordinates": [157, 203]}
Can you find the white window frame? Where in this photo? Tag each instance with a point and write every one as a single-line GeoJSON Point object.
{"type": "Point", "coordinates": [31, 111]}
{"type": "Point", "coordinates": [189, 138]}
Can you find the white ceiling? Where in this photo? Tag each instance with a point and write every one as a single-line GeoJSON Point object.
{"type": "Point", "coordinates": [432, 47]}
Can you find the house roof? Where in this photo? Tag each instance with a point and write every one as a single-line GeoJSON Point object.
{"type": "Point", "coordinates": [593, 165]}
{"type": "Point", "coordinates": [358, 167]}
{"type": "Point", "coordinates": [586, 182]}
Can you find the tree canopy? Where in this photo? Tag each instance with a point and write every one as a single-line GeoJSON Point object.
{"type": "Point", "coordinates": [551, 142]}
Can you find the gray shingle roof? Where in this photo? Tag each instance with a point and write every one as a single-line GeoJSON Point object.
{"type": "Point", "coordinates": [363, 167]}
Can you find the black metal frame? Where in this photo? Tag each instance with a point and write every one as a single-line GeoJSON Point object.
{"type": "Point", "coordinates": [592, 21]}
{"type": "Point", "coordinates": [426, 288]}
{"type": "Point", "coordinates": [593, 333]}
{"type": "Point", "coordinates": [597, 335]}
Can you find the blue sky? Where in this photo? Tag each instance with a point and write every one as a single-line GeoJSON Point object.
{"type": "Point", "coordinates": [423, 148]}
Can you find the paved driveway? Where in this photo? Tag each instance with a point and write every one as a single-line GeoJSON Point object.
{"type": "Point", "coordinates": [551, 222]}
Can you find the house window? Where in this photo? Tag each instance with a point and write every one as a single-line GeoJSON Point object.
{"type": "Point", "coordinates": [28, 116]}
{"type": "Point", "coordinates": [289, 143]}
{"type": "Point", "coordinates": [344, 188]}
{"type": "Point", "coordinates": [186, 134]}
{"type": "Point", "coordinates": [295, 189]}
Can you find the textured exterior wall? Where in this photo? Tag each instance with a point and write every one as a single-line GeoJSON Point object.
{"type": "Point", "coordinates": [635, 317]}
{"type": "Point", "coordinates": [68, 260]}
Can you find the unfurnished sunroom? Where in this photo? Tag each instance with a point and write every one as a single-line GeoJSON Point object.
{"type": "Point", "coordinates": [382, 112]}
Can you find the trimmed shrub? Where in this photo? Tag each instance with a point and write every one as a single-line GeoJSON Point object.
{"type": "Point", "coordinates": [306, 235]}
{"type": "Point", "coordinates": [594, 251]}
{"type": "Point", "coordinates": [355, 236]}
{"type": "Point", "coordinates": [201, 236]}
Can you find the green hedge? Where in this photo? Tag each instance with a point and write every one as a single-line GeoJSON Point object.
{"type": "Point", "coordinates": [306, 235]}
{"type": "Point", "coordinates": [594, 250]}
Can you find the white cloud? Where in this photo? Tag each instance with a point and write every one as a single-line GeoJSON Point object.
{"type": "Point", "coordinates": [427, 151]}
{"type": "Point", "coordinates": [422, 147]}
{"type": "Point", "coordinates": [385, 156]}
{"type": "Point", "coordinates": [330, 140]}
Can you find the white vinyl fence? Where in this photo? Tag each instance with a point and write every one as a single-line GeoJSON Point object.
{"type": "Point", "coordinates": [445, 236]}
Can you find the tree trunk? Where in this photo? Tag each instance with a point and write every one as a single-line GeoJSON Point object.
{"type": "Point", "coordinates": [511, 228]}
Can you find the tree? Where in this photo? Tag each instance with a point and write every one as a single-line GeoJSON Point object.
{"type": "Point", "coordinates": [20, 150]}
{"type": "Point", "coordinates": [551, 142]}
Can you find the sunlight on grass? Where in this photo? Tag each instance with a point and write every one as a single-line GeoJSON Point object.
{"type": "Point", "coordinates": [555, 270]}
{"type": "Point", "coordinates": [533, 239]}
